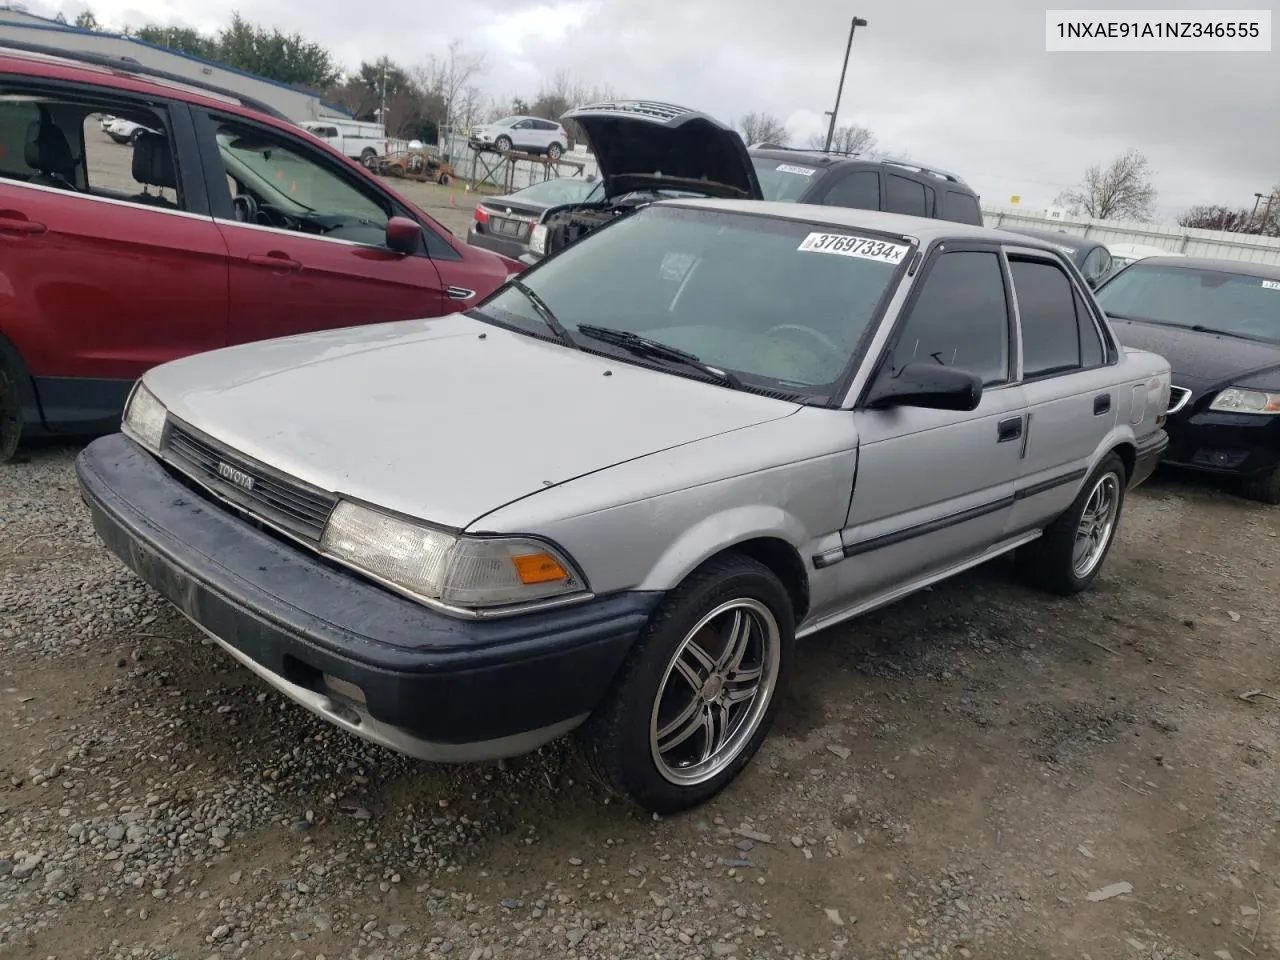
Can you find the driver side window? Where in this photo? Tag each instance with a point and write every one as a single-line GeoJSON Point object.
{"type": "Point", "coordinates": [276, 182]}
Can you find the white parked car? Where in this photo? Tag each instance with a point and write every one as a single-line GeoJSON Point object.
{"type": "Point", "coordinates": [126, 131]}
{"type": "Point", "coordinates": [527, 134]}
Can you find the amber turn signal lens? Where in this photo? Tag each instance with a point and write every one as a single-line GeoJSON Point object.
{"type": "Point", "coordinates": [538, 568]}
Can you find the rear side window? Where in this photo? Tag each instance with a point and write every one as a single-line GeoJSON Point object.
{"type": "Point", "coordinates": [962, 208]}
{"type": "Point", "coordinates": [1092, 352]}
{"type": "Point", "coordinates": [960, 319]}
{"type": "Point", "coordinates": [859, 190]}
{"type": "Point", "coordinates": [904, 196]}
{"type": "Point", "coordinates": [1047, 313]}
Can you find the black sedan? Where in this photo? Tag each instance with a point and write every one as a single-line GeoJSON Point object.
{"type": "Point", "coordinates": [1217, 322]}
{"type": "Point", "coordinates": [1093, 258]}
{"type": "Point", "coordinates": [502, 224]}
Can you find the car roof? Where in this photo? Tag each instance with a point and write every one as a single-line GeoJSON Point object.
{"type": "Point", "coordinates": [1074, 241]}
{"type": "Point", "coordinates": [826, 160]}
{"type": "Point", "coordinates": [924, 229]}
{"type": "Point", "coordinates": [32, 63]}
{"type": "Point", "coordinates": [1264, 271]}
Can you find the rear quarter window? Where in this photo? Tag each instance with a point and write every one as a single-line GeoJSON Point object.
{"type": "Point", "coordinates": [962, 208]}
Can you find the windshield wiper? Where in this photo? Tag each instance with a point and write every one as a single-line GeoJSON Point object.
{"type": "Point", "coordinates": [644, 347]}
{"type": "Point", "coordinates": [1201, 328]}
{"type": "Point", "coordinates": [545, 312]}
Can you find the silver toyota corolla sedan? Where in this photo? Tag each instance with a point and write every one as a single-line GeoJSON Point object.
{"type": "Point", "coordinates": [607, 500]}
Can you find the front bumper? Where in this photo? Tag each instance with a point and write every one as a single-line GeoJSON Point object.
{"type": "Point", "coordinates": [1150, 450]}
{"type": "Point", "coordinates": [369, 661]}
{"type": "Point", "coordinates": [1233, 444]}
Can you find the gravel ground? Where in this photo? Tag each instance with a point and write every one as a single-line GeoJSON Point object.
{"type": "Point", "coordinates": [950, 777]}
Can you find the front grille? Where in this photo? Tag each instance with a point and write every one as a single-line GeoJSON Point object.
{"type": "Point", "coordinates": [259, 490]}
{"type": "Point", "coordinates": [1178, 397]}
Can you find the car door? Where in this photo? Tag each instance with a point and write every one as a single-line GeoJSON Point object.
{"type": "Point", "coordinates": [306, 237]}
{"type": "Point", "coordinates": [1071, 393]}
{"type": "Point", "coordinates": [110, 262]}
{"type": "Point", "coordinates": [935, 487]}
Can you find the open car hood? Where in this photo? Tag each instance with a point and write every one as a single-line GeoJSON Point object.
{"type": "Point", "coordinates": [642, 145]}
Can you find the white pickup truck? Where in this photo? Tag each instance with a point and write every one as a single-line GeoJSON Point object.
{"type": "Point", "coordinates": [356, 139]}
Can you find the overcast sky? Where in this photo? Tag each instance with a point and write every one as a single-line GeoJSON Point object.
{"type": "Point", "coordinates": [966, 87]}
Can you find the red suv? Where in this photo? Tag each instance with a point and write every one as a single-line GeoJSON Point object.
{"type": "Point", "coordinates": [220, 222]}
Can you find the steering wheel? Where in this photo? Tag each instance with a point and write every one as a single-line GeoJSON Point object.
{"type": "Point", "coordinates": [822, 338]}
{"type": "Point", "coordinates": [246, 208]}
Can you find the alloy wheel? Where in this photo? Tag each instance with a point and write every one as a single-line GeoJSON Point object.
{"type": "Point", "coordinates": [1097, 525]}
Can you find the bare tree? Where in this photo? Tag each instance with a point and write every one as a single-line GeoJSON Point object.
{"type": "Point", "coordinates": [447, 75]}
{"type": "Point", "coordinates": [1264, 221]}
{"type": "Point", "coordinates": [853, 138]}
{"type": "Point", "coordinates": [1121, 191]}
{"type": "Point", "coordinates": [762, 128]}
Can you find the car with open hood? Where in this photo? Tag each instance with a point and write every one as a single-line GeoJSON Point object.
{"type": "Point", "coordinates": [503, 223]}
{"type": "Point", "coordinates": [1218, 324]}
{"type": "Point", "coordinates": [647, 151]}
{"type": "Point", "coordinates": [709, 428]}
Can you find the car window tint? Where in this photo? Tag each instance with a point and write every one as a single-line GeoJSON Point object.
{"type": "Point", "coordinates": [291, 189]}
{"type": "Point", "coordinates": [77, 148]}
{"type": "Point", "coordinates": [1092, 352]}
{"type": "Point", "coordinates": [962, 208]}
{"type": "Point", "coordinates": [960, 318]}
{"type": "Point", "coordinates": [860, 190]}
{"type": "Point", "coordinates": [1233, 303]}
{"type": "Point", "coordinates": [904, 196]}
{"type": "Point", "coordinates": [1047, 315]}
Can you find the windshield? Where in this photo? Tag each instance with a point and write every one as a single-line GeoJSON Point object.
{"type": "Point", "coordinates": [780, 303]}
{"type": "Point", "coordinates": [1230, 303]}
{"type": "Point", "coordinates": [563, 190]}
{"type": "Point", "coordinates": [780, 180]}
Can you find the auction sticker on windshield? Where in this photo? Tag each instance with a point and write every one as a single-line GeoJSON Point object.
{"type": "Point", "coordinates": [802, 171]}
{"type": "Point", "coordinates": [864, 248]}
{"type": "Point", "coordinates": [1271, 284]}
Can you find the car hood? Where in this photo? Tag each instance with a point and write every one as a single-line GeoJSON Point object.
{"type": "Point", "coordinates": [444, 419]}
{"type": "Point", "coordinates": [1200, 361]}
{"type": "Point", "coordinates": [641, 145]}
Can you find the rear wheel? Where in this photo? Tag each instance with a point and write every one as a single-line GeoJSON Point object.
{"type": "Point", "coordinates": [554, 151]}
{"type": "Point", "coordinates": [1068, 555]}
{"type": "Point", "coordinates": [696, 696]}
{"type": "Point", "coordinates": [10, 414]}
{"type": "Point", "coordinates": [1265, 487]}
{"type": "Point", "coordinates": [367, 155]}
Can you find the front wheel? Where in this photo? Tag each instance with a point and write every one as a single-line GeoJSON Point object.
{"type": "Point", "coordinates": [1068, 555]}
{"type": "Point", "coordinates": [10, 414]}
{"type": "Point", "coordinates": [696, 696]}
{"type": "Point", "coordinates": [503, 144]}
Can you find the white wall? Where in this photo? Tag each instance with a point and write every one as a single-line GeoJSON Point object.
{"type": "Point", "coordinates": [1171, 237]}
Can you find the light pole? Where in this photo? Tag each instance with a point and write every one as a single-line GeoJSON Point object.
{"type": "Point", "coordinates": [831, 128]}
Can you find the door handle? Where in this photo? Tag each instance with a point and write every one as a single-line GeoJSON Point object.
{"type": "Point", "coordinates": [1008, 429]}
{"type": "Point", "coordinates": [275, 261]}
{"type": "Point", "coordinates": [25, 227]}
{"type": "Point", "coordinates": [1101, 404]}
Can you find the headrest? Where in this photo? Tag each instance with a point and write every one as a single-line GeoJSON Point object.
{"type": "Point", "coordinates": [47, 150]}
{"type": "Point", "coordinates": [153, 161]}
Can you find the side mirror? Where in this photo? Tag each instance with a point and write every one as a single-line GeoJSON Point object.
{"type": "Point", "coordinates": [928, 385]}
{"type": "Point", "coordinates": [403, 235]}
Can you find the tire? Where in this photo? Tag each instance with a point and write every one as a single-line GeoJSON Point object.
{"type": "Point", "coordinates": [1050, 561]}
{"type": "Point", "coordinates": [136, 136]}
{"type": "Point", "coordinates": [619, 741]}
{"type": "Point", "coordinates": [10, 413]}
{"type": "Point", "coordinates": [444, 179]}
{"type": "Point", "coordinates": [503, 144]}
{"type": "Point", "coordinates": [1264, 488]}
{"type": "Point", "coordinates": [367, 155]}
{"type": "Point", "coordinates": [554, 151]}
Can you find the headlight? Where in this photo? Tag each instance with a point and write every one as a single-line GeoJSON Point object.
{"type": "Point", "coordinates": [433, 565]}
{"type": "Point", "coordinates": [538, 239]}
{"type": "Point", "coordinates": [144, 418]}
{"type": "Point", "coordinates": [1240, 400]}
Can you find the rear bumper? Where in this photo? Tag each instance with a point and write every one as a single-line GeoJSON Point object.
{"type": "Point", "coordinates": [364, 659]}
{"type": "Point", "coordinates": [1232, 444]}
{"type": "Point", "coordinates": [487, 241]}
{"type": "Point", "coordinates": [1150, 450]}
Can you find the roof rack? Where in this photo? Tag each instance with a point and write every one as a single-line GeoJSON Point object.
{"type": "Point", "coordinates": [817, 150]}
{"type": "Point", "coordinates": [921, 168]}
{"type": "Point", "coordinates": [131, 66]}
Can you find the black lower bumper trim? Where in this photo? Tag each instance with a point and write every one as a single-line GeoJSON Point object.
{"type": "Point", "coordinates": [445, 680]}
{"type": "Point", "coordinates": [1147, 458]}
